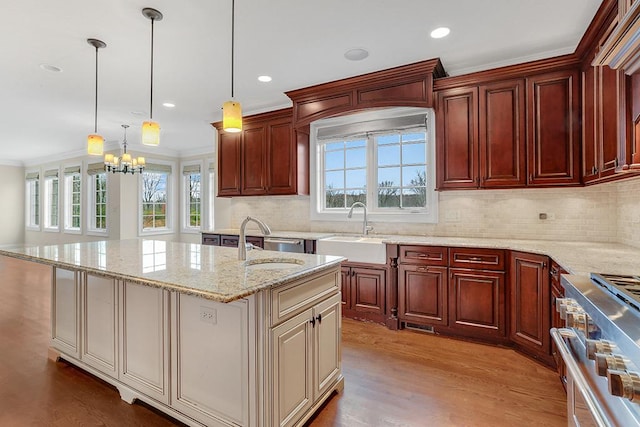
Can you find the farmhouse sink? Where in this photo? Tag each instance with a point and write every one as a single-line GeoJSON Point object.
{"type": "Point", "coordinates": [272, 263]}
{"type": "Point", "coordinates": [354, 248]}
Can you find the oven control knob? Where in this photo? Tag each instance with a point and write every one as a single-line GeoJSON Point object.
{"type": "Point", "coordinates": [624, 384]}
{"type": "Point", "coordinates": [599, 346]}
{"type": "Point", "coordinates": [607, 362]}
{"type": "Point", "coordinates": [566, 304]}
{"type": "Point", "coordinates": [577, 320]}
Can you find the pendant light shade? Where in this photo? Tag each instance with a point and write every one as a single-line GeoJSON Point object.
{"type": "Point", "coordinates": [232, 116]}
{"type": "Point", "coordinates": [95, 143]}
{"type": "Point", "coordinates": [151, 129]}
{"type": "Point", "coordinates": [231, 110]}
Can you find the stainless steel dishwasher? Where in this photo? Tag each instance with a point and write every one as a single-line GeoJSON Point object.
{"type": "Point", "coordinates": [283, 244]}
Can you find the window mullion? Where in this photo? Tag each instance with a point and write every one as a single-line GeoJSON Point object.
{"type": "Point", "coordinates": [372, 172]}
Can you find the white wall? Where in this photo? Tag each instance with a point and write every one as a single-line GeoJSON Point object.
{"type": "Point", "coordinates": [12, 214]}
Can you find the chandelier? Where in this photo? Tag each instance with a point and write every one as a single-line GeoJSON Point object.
{"type": "Point", "coordinates": [125, 163]}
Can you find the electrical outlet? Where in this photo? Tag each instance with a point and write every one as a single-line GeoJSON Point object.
{"type": "Point", "coordinates": [209, 315]}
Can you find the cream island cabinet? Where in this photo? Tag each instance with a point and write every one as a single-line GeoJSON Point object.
{"type": "Point", "coordinates": [230, 343]}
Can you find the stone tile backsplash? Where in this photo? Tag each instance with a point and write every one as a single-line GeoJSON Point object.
{"type": "Point", "coordinates": [600, 213]}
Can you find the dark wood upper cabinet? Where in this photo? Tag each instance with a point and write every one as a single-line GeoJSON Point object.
{"type": "Point", "coordinates": [590, 156]}
{"type": "Point", "coordinates": [553, 128]}
{"type": "Point", "coordinates": [457, 138]}
{"type": "Point", "coordinates": [229, 164]}
{"type": "Point", "coordinates": [502, 134]}
{"type": "Point", "coordinates": [267, 158]}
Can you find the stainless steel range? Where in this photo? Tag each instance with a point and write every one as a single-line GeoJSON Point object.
{"type": "Point", "coordinates": [601, 349]}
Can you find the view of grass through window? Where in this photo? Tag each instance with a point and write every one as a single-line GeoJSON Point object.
{"type": "Point", "coordinates": [154, 200]}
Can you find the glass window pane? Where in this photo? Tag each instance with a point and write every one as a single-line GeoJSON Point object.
{"type": "Point", "coordinates": [334, 146]}
{"type": "Point", "coordinates": [388, 197]}
{"type": "Point", "coordinates": [415, 197]}
{"type": "Point", "coordinates": [334, 179]}
{"type": "Point", "coordinates": [356, 143]}
{"type": "Point", "coordinates": [389, 155]}
{"type": "Point", "coordinates": [393, 138]}
{"type": "Point", "coordinates": [388, 177]}
{"type": "Point", "coordinates": [334, 160]}
{"type": "Point", "coordinates": [414, 175]}
{"type": "Point", "coordinates": [414, 153]}
{"type": "Point", "coordinates": [356, 196]}
{"type": "Point", "coordinates": [417, 136]}
{"type": "Point", "coordinates": [356, 178]}
{"type": "Point", "coordinates": [356, 158]}
{"type": "Point", "coordinates": [334, 198]}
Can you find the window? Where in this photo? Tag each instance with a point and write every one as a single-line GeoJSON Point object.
{"type": "Point", "coordinates": [33, 200]}
{"type": "Point", "coordinates": [383, 159]}
{"type": "Point", "coordinates": [51, 202]}
{"type": "Point", "coordinates": [97, 199]}
{"type": "Point", "coordinates": [192, 197]}
{"type": "Point", "coordinates": [72, 199]}
{"type": "Point", "coordinates": [155, 198]}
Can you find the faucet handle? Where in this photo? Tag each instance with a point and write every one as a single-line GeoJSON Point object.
{"type": "Point", "coordinates": [367, 229]}
{"type": "Point", "coordinates": [251, 246]}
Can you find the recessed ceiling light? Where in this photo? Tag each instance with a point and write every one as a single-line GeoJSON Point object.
{"type": "Point", "coordinates": [52, 68]}
{"type": "Point", "coordinates": [440, 32]}
{"type": "Point", "coordinates": [168, 104]}
{"type": "Point", "coordinates": [357, 54]}
{"type": "Point", "coordinates": [264, 79]}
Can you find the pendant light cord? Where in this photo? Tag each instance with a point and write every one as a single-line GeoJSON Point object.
{"type": "Point", "coordinates": [95, 112]}
{"type": "Point", "coordinates": [151, 97]}
{"type": "Point", "coordinates": [233, 22]}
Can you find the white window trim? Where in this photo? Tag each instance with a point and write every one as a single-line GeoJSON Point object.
{"type": "Point", "coordinates": [90, 188]}
{"type": "Point", "coordinates": [209, 190]}
{"type": "Point", "coordinates": [27, 207]}
{"type": "Point", "coordinates": [184, 209]}
{"type": "Point", "coordinates": [316, 198]}
{"type": "Point", "coordinates": [169, 228]}
{"type": "Point", "coordinates": [67, 211]}
{"type": "Point", "coordinates": [46, 206]}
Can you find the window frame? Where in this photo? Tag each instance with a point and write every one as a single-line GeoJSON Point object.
{"type": "Point", "coordinates": [29, 211]}
{"type": "Point", "coordinates": [185, 212]}
{"type": "Point", "coordinates": [169, 223]}
{"type": "Point", "coordinates": [47, 202]}
{"type": "Point", "coordinates": [68, 200]}
{"type": "Point", "coordinates": [413, 215]}
{"type": "Point", "coordinates": [92, 230]}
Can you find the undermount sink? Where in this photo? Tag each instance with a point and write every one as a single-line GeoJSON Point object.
{"type": "Point", "coordinates": [354, 248]}
{"type": "Point", "coordinates": [272, 263]}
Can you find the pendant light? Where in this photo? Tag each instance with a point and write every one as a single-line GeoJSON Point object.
{"type": "Point", "coordinates": [95, 143]}
{"type": "Point", "coordinates": [231, 110]}
{"type": "Point", "coordinates": [151, 129]}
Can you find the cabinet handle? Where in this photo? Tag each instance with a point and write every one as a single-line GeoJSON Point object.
{"type": "Point", "coordinates": [530, 177]}
{"type": "Point", "coordinates": [616, 162]}
{"type": "Point", "coordinates": [319, 318]}
{"type": "Point", "coordinates": [544, 265]}
{"type": "Point", "coordinates": [353, 273]}
{"type": "Point", "coordinates": [475, 258]}
{"type": "Point", "coordinates": [423, 256]}
{"type": "Point", "coordinates": [423, 268]}
{"type": "Point", "coordinates": [313, 322]}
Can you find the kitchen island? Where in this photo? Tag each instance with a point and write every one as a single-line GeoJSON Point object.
{"type": "Point", "coordinates": [196, 333]}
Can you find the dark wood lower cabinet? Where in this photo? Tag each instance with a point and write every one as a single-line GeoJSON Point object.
{"type": "Point", "coordinates": [530, 307]}
{"type": "Point", "coordinates": [364, 291]}
{"type": "Point", "coordinates": [477, 303]}
{"type": "Point", "coordinates": [422, 295]}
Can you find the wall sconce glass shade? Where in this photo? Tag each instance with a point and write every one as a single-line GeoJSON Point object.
{"type": "Point", "coordinates": [232, 116]}
{"type": "Point", "coordinates": [150, 133]}
{"type": "Point", "coordinates": [95, 145]}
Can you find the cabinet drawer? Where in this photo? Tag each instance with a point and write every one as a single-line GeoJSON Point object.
{"type": "Point", "coordinates": [293, 298]}
{"type": "Point", "coordinates": [482, 259]}
{"type": "Point", "coordinates": [432, 255]}
{"type": "Point", "coordinates": [211, 239]}
{"type": "Point", "coordinates": [232, 241]}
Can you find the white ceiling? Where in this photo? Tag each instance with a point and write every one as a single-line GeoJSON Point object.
{"type": "Point", "coordinates": [299, 43]}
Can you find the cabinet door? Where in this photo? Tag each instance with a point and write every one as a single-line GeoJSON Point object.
{"type": "Point", "coordinates": [292, 359]}
{"type": "Point", "coordinates": [502, 134]}
{"type": "Point", "coordinates": [144, 339]}
{"type": "Point", "coordinates": [328, 329]}
{"type": "Point", "coordinates": [530, 316]}
{"type": "Point", "coordinates": [282, 165]}
{"type": "Point", "coordinates": [100, 324]}
{"type": "Point", "coordinates": [422, 294]}
{"type": "Point", "coordinates": [553, 128]}
{"type": "Point", "coordinates": [210, 381]}
{"type": "Point", "coordinates": [631, 150]}
{"type": "Point", "coordinates": [229, 164]}
{"type": "Point", "coordinates": [65, 311]}
{"type": "Point", "coordinates": [253, 161]}
{"type": "Point", "coordinates": [611, 95]}
{"type": "Point", "coordinates": [457, 138]}
{"type": "Point", "coordinates": [589, 129]}
{"type": "Point", "coordinates": [345, 287]}
{"type": "Point", "coordinates": [477, 302]}
{"type": "Point", "coordinates": [368, 290]}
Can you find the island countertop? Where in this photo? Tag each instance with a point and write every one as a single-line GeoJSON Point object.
{"type": "Point", "coordinates": [211, 272]}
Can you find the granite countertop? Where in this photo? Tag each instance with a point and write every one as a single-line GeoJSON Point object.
{"type": "Point", "coordinates": [307, 235]}
{"type": "Point", "coordinates": [211, 272]}
{"type": "Point", "coordinates": [579, 258]}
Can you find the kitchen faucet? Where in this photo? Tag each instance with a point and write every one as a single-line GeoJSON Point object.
{"type": "Point", "coordinates": [242, 243]}
{"type": "Point", "coordinates": [365, 226]}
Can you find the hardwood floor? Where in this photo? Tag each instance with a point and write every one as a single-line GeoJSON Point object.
{"type": "Point", "coordinates": [392, 378]}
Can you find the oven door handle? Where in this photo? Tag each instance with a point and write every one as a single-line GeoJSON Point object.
{"type": "Point", "coordinates": [595, 408]}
